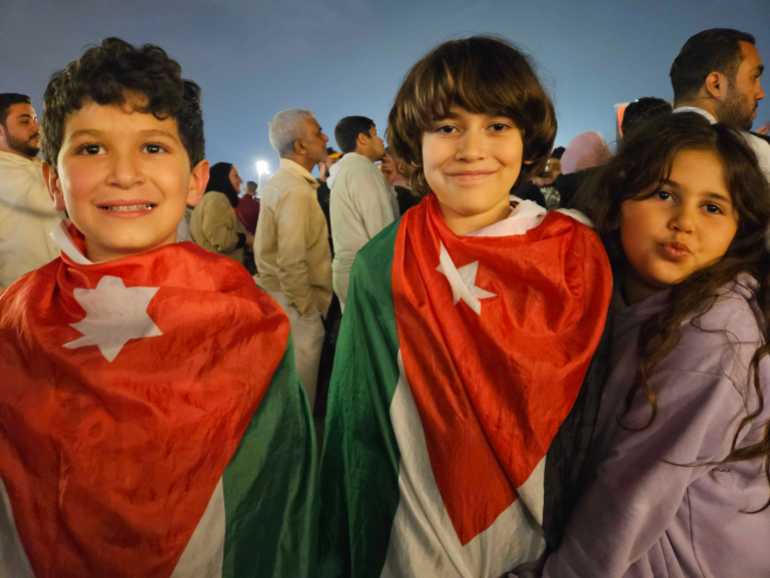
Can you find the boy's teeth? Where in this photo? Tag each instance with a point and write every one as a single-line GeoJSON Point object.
{"type": "Point", "coordinates": [128, 208]}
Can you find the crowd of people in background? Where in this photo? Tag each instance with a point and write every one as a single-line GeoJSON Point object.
{"type": "Point", "coordinates": [522, 359]}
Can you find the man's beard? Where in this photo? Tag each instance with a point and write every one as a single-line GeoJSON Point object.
{"type": "Point", "coordinates": [23, 147]}
{"type": "Point", "coordinates": [735, 112]}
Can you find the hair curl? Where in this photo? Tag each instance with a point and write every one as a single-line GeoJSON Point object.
{"type": "Point", "coordinates": [111, 73]}
{"type": "Point", "coordinates": [481, 74]}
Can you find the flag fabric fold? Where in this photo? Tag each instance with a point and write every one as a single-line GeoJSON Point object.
{"type": "Point", "coordinates": [151, 422]}
{"type": "Point", "coordinates": [459, 360]}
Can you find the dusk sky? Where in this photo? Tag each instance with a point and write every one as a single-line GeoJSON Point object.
{"type": "Point", "coordinates": [254, 58]}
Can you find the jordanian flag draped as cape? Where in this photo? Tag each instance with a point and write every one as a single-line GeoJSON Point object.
{"type": "Point", "coordinates": [459, 360]}
{"type": "Point", "coordinates": [151, 422]}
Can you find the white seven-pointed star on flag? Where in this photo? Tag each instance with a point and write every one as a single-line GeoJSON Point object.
{"type": "Point", "coordinates": [463, 281]}
{"type": "Point", "coordinates": [114, 315]}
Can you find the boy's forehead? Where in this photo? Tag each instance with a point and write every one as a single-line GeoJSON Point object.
{"type": "Point", "coordinates": [128, 115]}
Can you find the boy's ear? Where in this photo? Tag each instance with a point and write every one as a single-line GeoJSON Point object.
{"type": "Point", "coordinates": [199, 178]}
{"type": "Point", "coordinates": [716, 85]}
{"type": "Point", "coordinates": [52, 181]}
{"type": "Point", "coordinates": [362, 140]}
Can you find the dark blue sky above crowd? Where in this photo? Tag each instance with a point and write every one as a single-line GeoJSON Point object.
{"type": "Point", "coordinates": [340, 57]}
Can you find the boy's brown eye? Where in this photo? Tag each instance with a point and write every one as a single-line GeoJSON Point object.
{"type": "Point", "coordinates": [89, 149]}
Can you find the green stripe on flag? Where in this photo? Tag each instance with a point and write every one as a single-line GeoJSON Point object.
{"type": "Point", "coordinates": [270, 487]}
{"type": "Point", "coordinates": [360, 452]}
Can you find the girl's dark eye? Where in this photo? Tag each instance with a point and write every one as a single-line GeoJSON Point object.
{"type": "Point", "coordinates": [445, 129]}
{"type": "Point", "coordinates": [713, 209]}
{"type": "Point", "coordinates": [663, 195]}
{"type": "Point", "coordinates": [153, 148]}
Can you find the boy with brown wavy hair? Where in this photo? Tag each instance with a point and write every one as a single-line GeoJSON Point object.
{"type": "Point", "coordinates": [454, 418]}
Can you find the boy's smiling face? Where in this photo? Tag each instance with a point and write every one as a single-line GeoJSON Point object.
{"type": "Point", "coordinates": [471, 161]}
{"type": "Point", "coordinates": [124, 177]}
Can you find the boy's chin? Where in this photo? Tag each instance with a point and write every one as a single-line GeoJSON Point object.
{"type": "Point", "coordinates": [100, 253]}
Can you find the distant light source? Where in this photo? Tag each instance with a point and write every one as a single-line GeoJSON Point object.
{"type": "Point", "coordinates": [263, 168]}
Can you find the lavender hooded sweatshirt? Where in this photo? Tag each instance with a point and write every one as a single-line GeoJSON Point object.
{"type": "Point", "coordinates": [644, 518]}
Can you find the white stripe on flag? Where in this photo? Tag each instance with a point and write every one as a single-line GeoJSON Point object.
{"type": "Point", "coordinates": [204, 555]}
{"type": "Point", "coordinates": [13, 558]}
{"type": "Point", "coordinates": [423, 541]}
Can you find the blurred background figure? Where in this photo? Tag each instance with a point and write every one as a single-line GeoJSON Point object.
{"type": "Point", "coordinates": [542, 188]}
{"type": "Point", "coordinates": [585, 151]}
{"type": "Point", "coordinates": [396, 172]}
{"type": "Point", "coordinates": [361, 202]}
{"type": "Point", "coordinates": [248, 213]}
{"type": "Point", "coordinates": [27, 215]}
{"type": "Point", "coordinates": [248, 208]}
{"type": "Point", "coordinates": [214, 224]}
{"type": "Point", "coordinates": [642, 110]}
{"type": "Point", "coordinates": [325, 169]}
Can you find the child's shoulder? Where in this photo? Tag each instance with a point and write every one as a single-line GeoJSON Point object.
{"type": "Point", "coordinates": [723, 338]}
{"type": "Point", "coordinates": [28, 286]}
{"type": "Point", "coordinates": [575, 215]}
{"type": "Point", "coordinates": [381, 244]}
{"type": "Point", "coordinates": [207, 268]}
{"type": "Point", "coordinates": [734, 311]}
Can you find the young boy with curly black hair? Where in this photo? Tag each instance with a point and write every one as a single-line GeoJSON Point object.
{"type": "Point", "coordinates": [152, 421]}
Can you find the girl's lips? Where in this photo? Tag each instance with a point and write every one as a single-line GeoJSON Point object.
{"type": "Point", "coordinates": [675, 251]}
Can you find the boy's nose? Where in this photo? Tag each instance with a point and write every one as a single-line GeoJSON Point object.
{"type": "Point", "coordinates": [125, 171]}
{"type": "Point", "coordinates": [471, 146]}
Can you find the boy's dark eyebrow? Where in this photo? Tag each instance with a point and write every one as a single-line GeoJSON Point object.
{"type": "Point", "coordinates": [452, 115]}
{"type": "Point", "coordinates": [84, 132]}
{"type": "Point", "coordinates": [146, 133]}
{"type": "Point", "coordinates": [158, 132]}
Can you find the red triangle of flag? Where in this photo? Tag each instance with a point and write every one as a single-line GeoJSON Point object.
{"type": "Point", "coordinates": [109, 465]}
{"type": "Point", "coordinates": [493, 389]}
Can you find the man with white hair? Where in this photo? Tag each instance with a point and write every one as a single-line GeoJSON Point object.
{"type": "Point", "coordinates": [291, 247]}
{"type": "Point", "coordinates": [27, 214]}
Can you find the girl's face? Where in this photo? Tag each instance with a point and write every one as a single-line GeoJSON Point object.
{"type": "Point", "coordinates": [235, 178]}
{"type": "Point", "coordinates": [684, 224]}
{"type": "Point", "coordinates": [471, 161]}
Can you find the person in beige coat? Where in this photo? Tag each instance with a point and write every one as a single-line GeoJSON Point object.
{"type": "Point", "coordinates": [291, 246]}
{"type": "Point", "coordinates": [214, 224]}
{"type": "Point", "coordinates": [27, 214]}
